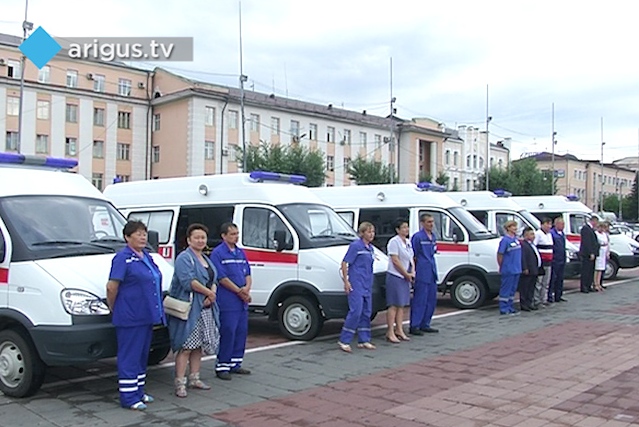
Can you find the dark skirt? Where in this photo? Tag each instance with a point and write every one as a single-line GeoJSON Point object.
{"type": "Point", "coordinates": [397, 291]}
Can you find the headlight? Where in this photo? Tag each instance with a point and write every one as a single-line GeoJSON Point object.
{"type": "Point", "coordinates": [573, 255]}
{"type": "Point", "coordinates": [77, 302]}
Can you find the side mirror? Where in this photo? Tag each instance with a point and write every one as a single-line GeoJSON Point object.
{"type": "Point", "coordinates": [280, 241]}
{"type": "Point", "coordinates": [458, 236]}
{"type": "Point", "coordinates": [153, 239]}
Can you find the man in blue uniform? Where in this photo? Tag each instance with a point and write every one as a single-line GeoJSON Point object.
{"type": "Point", "coordinates": [233, 298]}
{"type": "Point", "coordinates": [509, 260]}
{"type": "Point", "coordinates": [424, 301]}
{"type": "Point", "coordinates": [556, 290]}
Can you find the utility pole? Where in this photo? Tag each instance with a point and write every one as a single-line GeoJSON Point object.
{"type": "Point", "coordinates": [26, 26]}
{"type": "Point", "coordinates": [391, 143]}
{"type": "Point", "coordinates": [552, 188]}
{"type": "Point", "coordinates": [243, 80]}
{"type": "Point", "coordinates": [488, 119]}
{"type": "Point", "coordinates": [601, 179]}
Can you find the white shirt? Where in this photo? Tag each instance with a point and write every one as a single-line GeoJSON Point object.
{"type": "Point", "coordinates": [404, 250]}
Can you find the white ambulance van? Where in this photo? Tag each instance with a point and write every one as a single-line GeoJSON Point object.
{"type": "Point", "coordinates": [624, 251]}
{"type": "Point", "coordinates": [466, 251]}
{"type": "Point", "coordinates": [495, 208]}
{"type": "Point", "coordinates": [294, 242]}
{"type": "Point", "coordinates": [58, 235]}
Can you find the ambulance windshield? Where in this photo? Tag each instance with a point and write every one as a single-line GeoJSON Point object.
{"type": "Point", "coordinates": [64, 225]}
{"type": "Point", "coordinates": [318, 225]}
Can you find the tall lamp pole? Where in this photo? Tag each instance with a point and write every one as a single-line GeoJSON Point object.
{"type": "Point", "coordinates": [552, 179]}
{"type": "Point", "coordinates": [601, 178]}
{"type": "Point", "coordinates": [26, 27]}
{"type": "Point", "coordinates": [488, 119]}
{"type": "Point", "coordinates": [243, 79]}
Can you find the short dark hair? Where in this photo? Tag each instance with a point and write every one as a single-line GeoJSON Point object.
{"type": "Point", "coordinates": [132, 226]}
{"type": "Point", "coordinates": [546, 220]}
{"type": "Point", "coordinates": [224, 229]}
{"type": "Point", "coordinates": [196, 226]}
{"type": "Point", "coordinates": [423, 217]}
{"type": "Point", "coordinates": [526, 230]}
{"type": "Point", "coordinates": [399, 222]}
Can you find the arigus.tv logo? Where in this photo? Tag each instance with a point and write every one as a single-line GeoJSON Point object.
{"type": "Point", "coordinates": [40, 47]}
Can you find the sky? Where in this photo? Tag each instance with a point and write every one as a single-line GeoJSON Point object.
{"type": "Point", "coordinates": [449, 58]}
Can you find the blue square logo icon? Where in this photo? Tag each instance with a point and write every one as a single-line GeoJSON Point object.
{"type": "Point", "coordinates": [40, 47]}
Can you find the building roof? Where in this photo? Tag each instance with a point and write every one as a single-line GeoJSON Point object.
{"type": "Point", "coordinates": [547, 157]}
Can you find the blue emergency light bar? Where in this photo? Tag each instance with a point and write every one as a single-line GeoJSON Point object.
{"type": "Point", "coordinates": [430, 186]}
{"type": "Point", "coordinates": [572, 198]}
{"type": "Point", "coordinates": [29, 160]}
{"type": "Point", "coordinates": [502, 193]}
{"type": "Point", "coordinates": [274, 176]}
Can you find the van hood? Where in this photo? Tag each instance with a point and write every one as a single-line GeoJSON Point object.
{"type": "Point", "coordinates": [91, 273]}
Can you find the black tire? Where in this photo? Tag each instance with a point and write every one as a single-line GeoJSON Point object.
{"type": "Point", "coordinates": [468, 292]}
{"type": "Point", "coordinates": [21, 369]}
{"type": "Point", "coordinates": [299, 318]}
{"type": "Point", "coordinates": [612, 268]}
{"type": "Point", "coordinates": [158, 354]}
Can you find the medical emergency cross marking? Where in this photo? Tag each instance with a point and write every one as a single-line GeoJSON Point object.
{"type": "Point", "coordinates": [40, 47]}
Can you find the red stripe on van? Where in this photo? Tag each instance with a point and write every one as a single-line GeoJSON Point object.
{"type": "Point", "coordinates": [276, 257]}
{"type": "Point", "coordinates": [573, 238]}
{"type": "Point", "coordinates": [4, 275]}
{"type": "Point", "coordinates": [451, 247]}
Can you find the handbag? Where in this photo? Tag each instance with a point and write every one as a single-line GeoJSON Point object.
{"type": "Point", "coordinates": [177, 308]}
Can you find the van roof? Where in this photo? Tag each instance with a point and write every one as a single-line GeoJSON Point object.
{"type": "Point", "coordinates": [25, 180]}
{"type": "Point", "coordinates": [197, 190]}
{"type": "Point", "coordinates": [382, 195]}
{"type": "Point", "coordinates": [484, 200]}
{"type": "Point", "coordinates": [551, 204]}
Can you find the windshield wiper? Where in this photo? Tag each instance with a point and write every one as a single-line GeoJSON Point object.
{"type": "Point", "coordinates": [323, 236]}
{"type": "Point", "coordinates": [72, 242]}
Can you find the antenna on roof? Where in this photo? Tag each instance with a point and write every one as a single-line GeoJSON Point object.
{"type": "Point", "coordinates": [285, 80]}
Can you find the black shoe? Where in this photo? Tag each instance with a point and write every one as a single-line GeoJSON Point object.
{"type": "Point", "coordinates": [429, 330]}
{"type": "Point", "coordinates": [562, 300]}
{"type": "Point", "coordinates": [524, 308]}
{"type": "Point", "coordinates": [415, 331]}
{"type": "Point", "coordinates": [241, 371]}
{"type": "Point", "coordinates": [534, 308]}
{"type": "Point", "coordinates": [224, 375]}
{"type": "Point", "coordinates": [585, 292]}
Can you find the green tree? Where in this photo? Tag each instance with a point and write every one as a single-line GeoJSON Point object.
{"type": "Point", "coordinates": [287, 159]}
{"type": "Point", "coordinates": [631, 201]}
{"type": "Point", "coordinates": [521, 178]}
{"type": "Point", "coordinates": [425, 177]}
{"type": "Point", "coordinates": [368, 172]}
{"type": "Point", "coordinates": [442, 179]}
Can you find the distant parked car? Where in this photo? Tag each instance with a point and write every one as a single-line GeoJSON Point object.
{"type": "Point", "coordinates": [625, 229]}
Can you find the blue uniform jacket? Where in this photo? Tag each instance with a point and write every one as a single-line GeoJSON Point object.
{"type": "Point", "coordinates": [187, 269]}
{"type": "Point", "coordinates": [360, 258]}
{"type": "Point", "coordinates": [558, 246]}
{"type": "Point", "coordinates": [510, 248]}
{"type": "Point", "coordinates": [139, 298]}
{"type": "Point", "coordinates": [234, 266]}
{"type": "Point", "coordinates": [425, 264]}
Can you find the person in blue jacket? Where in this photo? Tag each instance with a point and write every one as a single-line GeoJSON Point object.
{"type": "Point", "coordinates": [134, 295]}
{"type": "Point", "coordinates": [509, 260]}
{"type": "Point", "coordinates": [357, 274]}
{"type": "Point", "coordinates": [556, 290]}
{"type": "Point", "coordinates": [233, 298]}
{"type": "Point", "coordinates": [424, 301]}
{"type": "Point", "coordinates": [194, 280]}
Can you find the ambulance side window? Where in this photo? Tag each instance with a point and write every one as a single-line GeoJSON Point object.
{"type": "Point", "coordinates": [576, 222]}
{"type": "Point", "coordinates": [384, 222]}
{"type": "Point", "coordinates": [482, 216]}
{"type": "Point", "coordinates": [259, 226]}
{"type": "Point", "coordinates": [159, 221]}
{"type": "Point", "coordinates": [349, 217]}
{"type": "Point", "coordinates": [445, 226]}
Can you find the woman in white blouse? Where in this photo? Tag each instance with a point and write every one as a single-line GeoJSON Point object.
{"type": "Point", "coordinates": [399, 276]}
{"type": "Point", "coordinates": [602, 257]}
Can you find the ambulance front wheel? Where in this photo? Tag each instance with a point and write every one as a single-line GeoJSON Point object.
{"type": "Point", "coordinates": [21, 370]}
{"type": "Point", "coordinates": [300, 318]}
{"type": "Point", "coordinates": [468, 292]}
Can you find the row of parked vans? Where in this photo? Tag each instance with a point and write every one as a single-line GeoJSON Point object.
{"type": "Point", "coordinates": [58, 235]}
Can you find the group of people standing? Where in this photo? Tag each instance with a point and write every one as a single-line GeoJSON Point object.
{"type": "Point", "coordinates": [534, 265]}
{"type": "Point", "coordinates": [411, 264]}
{"type": "Point", "coordinates": [218, 288]}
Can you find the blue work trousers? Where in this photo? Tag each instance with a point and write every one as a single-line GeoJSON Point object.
{"type": "Point", "coordinates": [134, 343]}
{"type": "Point", "coordinates": [507, 293]}
{"type": "Point", "coordinates": [358, 319]}
{"type": "Point", "coordinates": [422, 307]}
{"type": "Point", "coordinates": [233, 334]}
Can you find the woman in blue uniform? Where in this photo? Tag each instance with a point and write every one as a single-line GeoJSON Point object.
{"type": "Point", "coordinates": [134, 295]}
{"type": "Point", "coordinates": [509, 260]}
{"type": "Point", "coordinates": [357, 273]}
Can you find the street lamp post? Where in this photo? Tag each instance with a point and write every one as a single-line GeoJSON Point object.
{"type": "Point", "coordinates": [601, 179]}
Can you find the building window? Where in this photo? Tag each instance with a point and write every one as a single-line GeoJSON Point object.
{"type": "Point", "coordinates": [492, 161]}
{"type": "Point", "coordinates": [500, 163]}
{"type": "Point", "coordinates": [98, 117]}
{"type": "Point", "coordinates": [455, 158]}
{"type": "Point", "coordinates": [124, 120]}
{"type": "Point", "coordinates": [122, 178]}
{"type": "Point", "coordinates": [295, 129]}
{"type": "Point", "coordinates": [209, 150]}
{"type": "Point", "coordinates": [44, 74]}
{"type": "Point", "coordinates": [447, 157]}
{"type": "Point", "coordinates": [468, 187]}
{"type": "Point", "coordinates": [156, 122]}
{"type": "Point", "coordinates": [72, 113]}
{"type": "Point", "coordinates": [124, 87]}
{"type": "Point", "coordinates": [347, 136]}
{"type": "Point", "coordinates": [275, 125]}
{"type": "Point", "coordinates": [71, 146]}
{"type": "Point", "coordinates": [155, 154]}
{"type": "Point", "coordinates": [42, 111]}
{"type": "Point", "coordinates": [481, 163]}
{"type": "Point", "coordinates": [98, 149]}
{"type": "Point", "coordinates": [13, 105]}
{"type": "Point", "coordinates": [455, 183]}
{"type": "Point", "coordinates": [330, 163]}
{"type": "Point", "coordinates": [468, 161]}
{"type": "Point", "coordinates": [475, 161]}
{"type": "Point", "coordinates": [42, 144]}
{"type": "Point", "coordinates": [347, 161]}
{"type": "Point", "coordinates": [98, 82]}
{"type": "Point", "coordinates": [362, 139]}
{"type": "Point", "coordinates": [97, 180]}
{"type": "Point", "coordinates": [330, 134]}
{"type": "Point", "coordinates": [14, 69]}
{"type": "Point", "coordinates": [233, 119]}
{"type": "Point", "coordinates": [72, 78]}
{"type": "Point", "coordinates": [123, 151]}
{"type": "Point", "coordinates": [12, 141]}
{"type": "Point", "coordinates": [312, 132]}
{"type": "Point", "coordinates": [209, 119]}
{"type": "Point", "coordinates": [378, 141]}
{"type": "Point", "coordinates": [255, 122]}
